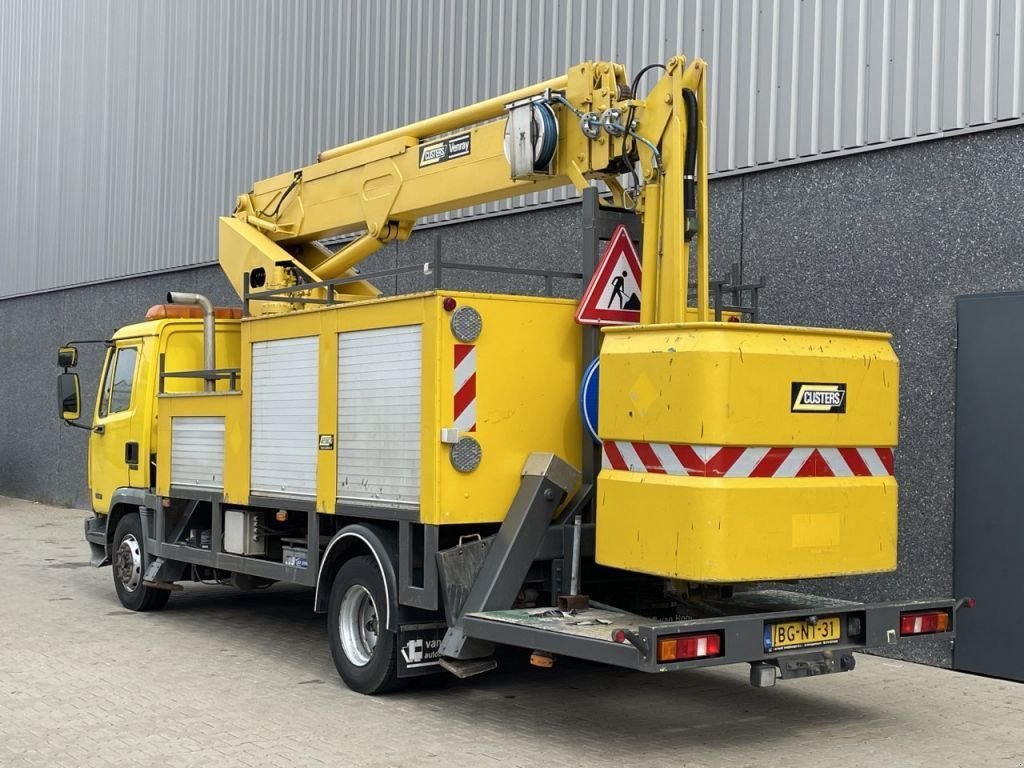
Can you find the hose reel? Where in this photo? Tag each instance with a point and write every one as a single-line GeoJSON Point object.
{"type": "Point", "coordinates": [531, 137]}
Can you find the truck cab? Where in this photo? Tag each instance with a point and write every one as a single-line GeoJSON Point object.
{"type": "Point", "coordinates": [162, 354]}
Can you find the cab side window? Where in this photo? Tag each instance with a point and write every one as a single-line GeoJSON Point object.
{"type": "Point", "coordinates": [117, 388]}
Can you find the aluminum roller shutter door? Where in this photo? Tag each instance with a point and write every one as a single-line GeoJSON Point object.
{"type": "Point", "coordinates": [197, 452]}
{"type": "Point", "coordinates": [284, 417]}
{"type": "Point", "coordinates": [380, 375]}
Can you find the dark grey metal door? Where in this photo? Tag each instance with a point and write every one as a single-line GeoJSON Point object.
{"type": "Point", "coordinates": [989, 514]}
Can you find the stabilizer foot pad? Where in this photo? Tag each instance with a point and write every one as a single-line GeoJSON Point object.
{"type": "Point", "coordinates": [463, 668]}
{"type": "Point", "coordinates": [169, 586]}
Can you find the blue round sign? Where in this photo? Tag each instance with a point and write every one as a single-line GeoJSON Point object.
{"type": "Point", "coordinates": [588, 398]}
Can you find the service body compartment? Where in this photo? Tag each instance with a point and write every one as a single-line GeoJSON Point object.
{"type": "Point", "coordinates": [737, 452]}
{"type": "Point", "coordinates": [397, 406]}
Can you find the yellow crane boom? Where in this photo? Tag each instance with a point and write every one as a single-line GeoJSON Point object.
{"type": "Point", "coordinates": [587, 125]}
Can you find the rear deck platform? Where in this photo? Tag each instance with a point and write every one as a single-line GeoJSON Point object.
{"type": "Point", "coordinates": [608, 635]}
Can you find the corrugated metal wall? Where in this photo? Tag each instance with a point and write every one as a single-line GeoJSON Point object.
{"type": "Point", "coordinates": [126, 127]}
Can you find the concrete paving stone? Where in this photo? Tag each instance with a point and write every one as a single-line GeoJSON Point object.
{"type": "Point", "coordinates": [223, 678]}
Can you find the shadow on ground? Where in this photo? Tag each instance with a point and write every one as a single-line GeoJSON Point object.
{"type": "Point", "coordinates": [710, 707]}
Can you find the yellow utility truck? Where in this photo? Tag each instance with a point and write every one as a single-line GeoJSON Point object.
{"type": "Point", "coordinates": [451, 471]}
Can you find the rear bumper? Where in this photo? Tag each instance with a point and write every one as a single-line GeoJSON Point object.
{"type": "Point", "coordinates": [863, 626]}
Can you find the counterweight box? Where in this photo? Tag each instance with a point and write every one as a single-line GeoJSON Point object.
{"type": "Point", "coordinates": [738, 452]}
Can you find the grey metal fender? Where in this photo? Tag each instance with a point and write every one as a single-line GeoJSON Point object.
{"type": "Point", "coordinates": [102, 527]}
{"type": "Point", "coordinates": [352, 541]}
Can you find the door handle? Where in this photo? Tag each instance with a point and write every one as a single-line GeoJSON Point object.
{"type": "Point", "coordinates": [99, 429]}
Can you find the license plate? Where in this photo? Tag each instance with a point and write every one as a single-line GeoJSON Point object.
{"type": "Point", "coordinates": [801, 634]}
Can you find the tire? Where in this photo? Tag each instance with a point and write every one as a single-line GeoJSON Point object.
{"type": "Point", "coordinates": [127, 559]}
{"type": "Point", "coordinates": [364, 651]}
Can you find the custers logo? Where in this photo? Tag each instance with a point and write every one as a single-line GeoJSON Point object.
{"type": "Point", "coordinates": [808, 397]}
{"type": "Point", "coordinates": [446, 149]}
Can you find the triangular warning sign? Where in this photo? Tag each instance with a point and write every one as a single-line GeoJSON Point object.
{"type": "Point", "coordinates": [613, 296]}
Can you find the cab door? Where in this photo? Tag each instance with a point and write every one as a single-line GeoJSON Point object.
{"type": "Point", "coordinates": [114, 445]}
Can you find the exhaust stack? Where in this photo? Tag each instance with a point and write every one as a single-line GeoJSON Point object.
{"type": "Point", "coordinates": [209, 331]}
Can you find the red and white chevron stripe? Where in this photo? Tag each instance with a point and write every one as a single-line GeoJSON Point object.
{"type": "Point", "coordinates": [465, 387]}
{"type": "Point", "coordinates": [735, 461]}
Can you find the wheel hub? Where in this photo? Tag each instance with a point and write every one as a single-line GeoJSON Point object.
{"type": "Point", "coordinates": [358, 624]}
{"type": "Point", "coordinates": [128, 563]}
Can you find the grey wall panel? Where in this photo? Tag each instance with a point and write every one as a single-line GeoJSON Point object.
{"type": "Point", "coordinates": [127, 128]}
{"type": "Point", "coordinates": [987, 525]}
{"type": "Point", "coordinates": [40, 458]}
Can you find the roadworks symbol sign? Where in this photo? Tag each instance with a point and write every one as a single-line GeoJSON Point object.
{"type": "Point", "coordinates": [613, 296]}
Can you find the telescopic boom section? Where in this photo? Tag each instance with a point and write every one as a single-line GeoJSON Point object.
{"type": "Point", "coordinates": [583, 127]}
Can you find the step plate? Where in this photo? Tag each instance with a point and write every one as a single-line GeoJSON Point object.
{"type": "Point", "coordinates": [593, 623]}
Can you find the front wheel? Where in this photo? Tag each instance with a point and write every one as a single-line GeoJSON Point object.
{"type": "Point", "coordinates": [362, 646]}
{"type": "Point", "coordinates": [128, 564]}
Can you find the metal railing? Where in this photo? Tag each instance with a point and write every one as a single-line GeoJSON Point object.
{"type": "Point", "coordinates": [298, 294]}
{"type": "Point", "coordinates": [231, 375]}
{"type": "Point", "coordinates": [733, 286]}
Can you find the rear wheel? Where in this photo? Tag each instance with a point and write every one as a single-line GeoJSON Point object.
{"type": "Point", "coordinates": [128, 560]}
{"type": "Point", "coordinates": [362, 646]}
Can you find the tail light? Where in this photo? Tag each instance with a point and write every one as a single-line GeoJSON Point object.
{"type": "Point", "coordinates": [686, 647]}
{"type": "Point", "coordinates": [924, 623]}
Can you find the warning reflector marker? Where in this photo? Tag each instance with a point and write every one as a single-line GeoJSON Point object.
{"type": "Point", "coordinates": [613, 296]}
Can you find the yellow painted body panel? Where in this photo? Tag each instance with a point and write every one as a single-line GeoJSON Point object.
{"type": "Point", "coordinates": [108, 469]}
{"type": "Point", "coordinates": [745, 529]}
{"type": "Point", "coordinates": [324, 324]}
{"type": "Point", "coordinates": [236, 438]}
{"type": "Point", "coordinates": [729, 384]}
{"type": "Point", "coordinates": [528, 372]}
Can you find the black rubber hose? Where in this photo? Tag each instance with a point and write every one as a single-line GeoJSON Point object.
{"type": "Point", "coordinates": [546, 152]}
{"type": "Point", "coordinates": [690, 166]}
{"type": "Point", "coordinates": [296, 178]}
{"type": "Point", "coordinates": [633, 89]}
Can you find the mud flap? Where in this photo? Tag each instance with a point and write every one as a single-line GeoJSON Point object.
{"type": "Point", "coordinates": [96, 536]}
{"type": "Point", "coordinates": [419, 648]}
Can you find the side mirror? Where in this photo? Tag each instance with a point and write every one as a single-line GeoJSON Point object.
{"type": "Point", "coordinates": [67, 357]}
{"type": "Point", "coordinates": [68, 396]}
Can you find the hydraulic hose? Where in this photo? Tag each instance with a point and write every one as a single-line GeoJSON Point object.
{"type": "Point", "coordinates": [546, 151]}
{"type": "Point", "coordinates": [690, 166]}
